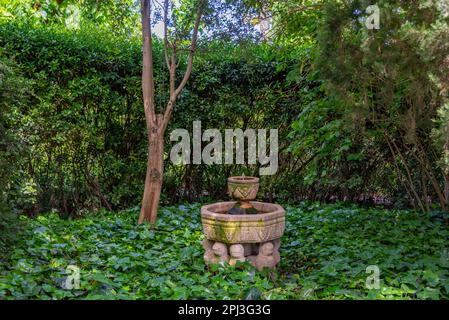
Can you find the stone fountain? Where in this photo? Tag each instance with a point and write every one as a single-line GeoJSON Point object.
{"type": "Point", "coordinates": [243, 229]}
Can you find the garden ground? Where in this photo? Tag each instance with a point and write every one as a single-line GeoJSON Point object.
{"type": "Point", "coordinates": [325, 252]}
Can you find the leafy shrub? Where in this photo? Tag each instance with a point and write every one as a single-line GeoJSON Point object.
{"type": "Point", "coordinates": [12, 95]}
{"type": "Point", "coordinates": [86, 124]}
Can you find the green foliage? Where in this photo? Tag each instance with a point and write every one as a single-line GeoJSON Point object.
{"type": "Point", "coordinates": [331, 247]}
{"type": "Point", "coordinates": [119, 17]}
{"type": "Point", "coordinates": [83, 91]}
{"type": "Point", "coordinates": [86, 123]}
{"type": "Point", "coordinates": [325, 252]}
{"type": "Point", "coordinates": [372, 133]}
{"type": "Point", "coordinates": [13, 95]}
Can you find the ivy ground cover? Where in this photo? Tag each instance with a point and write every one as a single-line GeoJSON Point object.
{"type": "Point", "coordinates": [325, 254]}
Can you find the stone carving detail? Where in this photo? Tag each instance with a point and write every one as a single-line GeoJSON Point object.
{"type": "Point", "coordinates": [265, 258]}
{"type": "Point", "coordinates": [221, 252]}
{"type": "Point", "coordinates": [243, 231]}
{"type": "Point", "coordinates": [242, 191]}
{"type": "Point", "coordinates": [237, 252]}
{"type": "Point", "coordinates": [209, 255]}
{"type": "Point", "coordinates": [265, 255]}
{"type": "Point", "coordinates": [243, 188]}
{"type": "Point", "coordinates": [243, 237]}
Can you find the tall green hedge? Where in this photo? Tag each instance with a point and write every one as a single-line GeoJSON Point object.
{"type": "Point", "coordinates": [13, 94]}
{"type": "Point", "coordinates": [85, 122]}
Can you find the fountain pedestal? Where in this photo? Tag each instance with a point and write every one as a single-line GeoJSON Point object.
{"type": "Point", "coordinates": [243, 237]}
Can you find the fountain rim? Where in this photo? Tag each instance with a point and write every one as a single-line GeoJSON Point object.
{"type": "Point", "coordinates": [275, 211]}
{"type": "Point", "coordinates": [243, 180]}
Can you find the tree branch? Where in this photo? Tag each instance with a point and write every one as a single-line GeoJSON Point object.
{"type": "Point", "coordinates": [166, 42]}
{"type": "Point", "coordinates": [147, 60]}
{"type": "Point", "coordinates": [192, 49]}
{"type": "Point", "coordinates": [174, 93]}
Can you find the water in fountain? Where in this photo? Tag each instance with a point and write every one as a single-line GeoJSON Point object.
{"type": "Point", "coordinates": [242, 208]}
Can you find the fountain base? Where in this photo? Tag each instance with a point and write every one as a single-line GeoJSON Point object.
{"type": "Point", "coordinates": [243, 237]}
{"type": "Point", "coordinates": [260, 255]}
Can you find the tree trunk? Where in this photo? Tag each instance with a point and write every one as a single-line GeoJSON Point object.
{"type": "Point", "coordinates": [153, 178]}
{"type": "Point", "coordinates": [157, 123]}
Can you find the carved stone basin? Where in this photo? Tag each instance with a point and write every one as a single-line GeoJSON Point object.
{"type": "Point", "coordinates": [243, 230]}
{"type": "Point", "coordinates": [267, 225]}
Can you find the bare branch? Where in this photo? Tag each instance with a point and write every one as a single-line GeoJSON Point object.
{"type": "Point", "coordinates": [175, 93]}
{"type": "Point", "coordinates": [192, 48]}
{"type": "Point", "coordinates": [166, 43]}
{"type": "Point", "coordinates": [173, 66]}
{"type": "Point", "coordinates": [147, 71]}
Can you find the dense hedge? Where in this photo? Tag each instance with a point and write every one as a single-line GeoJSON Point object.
{"type": "Point", "coordinates": [12, 96]}
{"type": "Point", "coordinates": [85, 122]}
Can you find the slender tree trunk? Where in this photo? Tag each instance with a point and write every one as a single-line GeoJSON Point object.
{"type": "Point", "coordinates": [153, 177]}
{"type": "Point", "coordinates": [157, 123]}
